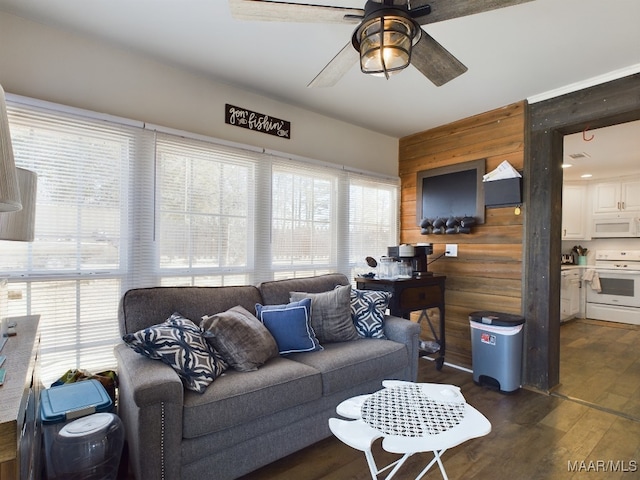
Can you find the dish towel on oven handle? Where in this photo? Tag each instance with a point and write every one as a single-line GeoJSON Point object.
{"type": "Point", "coordinates": [591, 276]}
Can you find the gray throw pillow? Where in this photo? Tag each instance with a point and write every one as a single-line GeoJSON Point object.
{"type": "Point", "coordinates": [331, 314]}
{"type": "Point", "coordinates": [242, 340]}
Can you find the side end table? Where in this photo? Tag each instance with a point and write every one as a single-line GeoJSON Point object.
{"type": "Point", "coordinates": [412, 295]}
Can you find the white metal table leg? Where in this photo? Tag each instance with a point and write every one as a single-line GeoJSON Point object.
{"type": "Point", "coordinates": [373, 468]}
{"type": "Point", "coordinates": [398, 463]}
{"type": "Point", "coordinates": [436, 458]}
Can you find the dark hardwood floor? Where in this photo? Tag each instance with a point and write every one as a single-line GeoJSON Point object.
{"type": "Point", "coordinates": [588, 428]}
{"type": "Point", "coordinates": [600, 365]}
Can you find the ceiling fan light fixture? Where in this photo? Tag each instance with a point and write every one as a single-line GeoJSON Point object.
{"type": "Point", "coordinates": [384, 43]}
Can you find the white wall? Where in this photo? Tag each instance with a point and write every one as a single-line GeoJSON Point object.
{"type": "Point", "coordinates": [601, 244]}
{"type": "Point", "coordinates": [49, 64]}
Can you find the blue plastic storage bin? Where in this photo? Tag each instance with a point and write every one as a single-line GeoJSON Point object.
{"type": "Point", "coordinates": [73, 400]}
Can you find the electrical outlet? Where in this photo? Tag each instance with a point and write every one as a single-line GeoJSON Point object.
{"type": "Point", "coordinates": [451, 250]}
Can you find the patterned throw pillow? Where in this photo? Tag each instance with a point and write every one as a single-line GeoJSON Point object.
{"type": "Point", "coordinates": [290, 325]}
{"type": "Point", "coordinates": [368, 308]}
{"type": "Point", "coordinates": [179, 343]}
{"type": "Point", "coordinates": [242, 340]}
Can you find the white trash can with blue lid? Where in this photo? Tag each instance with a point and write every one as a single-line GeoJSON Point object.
{"type": "Point", "coordinates": [81, 438]}
{"type": "Point", "coordinates": [496, 350]}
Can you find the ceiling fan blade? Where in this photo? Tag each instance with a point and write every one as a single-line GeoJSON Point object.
{"type": "Point", "coordinates": [449, 9]}
{"type": "Point", "coordinates": [276, 11]}
{"type": "Point", "coordinates": [337, 67]}
{"type": "Point", "coordinates": [434, 61]}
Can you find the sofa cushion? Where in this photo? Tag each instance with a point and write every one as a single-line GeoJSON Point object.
{"type": "Point", "coordinates": [277, 292]}
{"type": "Point", "coordinates": [142, 307]}
{"type": "Point", "coordinates": [290, 325]}
{"type": "Point", "coordinates": [345, 364]}
{"type": "Point", "coordinates": [330, 314]}
{"type": "Point", "coordinates": [179, 343]}
{"type": "Point", "coordinates": [242, 340]}
{"type": "Point", "coordinates": [239, 397]}
{"type": "Point", "coordinates": [368, 308]}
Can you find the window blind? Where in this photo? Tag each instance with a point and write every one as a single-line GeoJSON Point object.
{"type": "Point", "coordinates": [303, 228]}
{"type": "Point", "coordinates": [373, 218]}
{"type": "Point", "coordinates": [206, 210]}
{"type": "Point", "coordinates": [72, 274]}
{"type": "Point", "coordinates": [326, 219]}
{"type": "Point", "coordinates": [120, 206]}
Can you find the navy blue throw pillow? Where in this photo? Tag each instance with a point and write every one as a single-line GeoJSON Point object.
{"type": "Point", "coordinates": [290, 325]}
{"type": "Point", "coordinates": [179, 343]}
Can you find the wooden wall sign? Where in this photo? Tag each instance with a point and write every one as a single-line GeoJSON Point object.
{"type": "Point", "coordinates": [259, 122]}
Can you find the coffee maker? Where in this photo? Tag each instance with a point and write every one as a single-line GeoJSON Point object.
{"type": "Point", "coordinates": [416, 255]}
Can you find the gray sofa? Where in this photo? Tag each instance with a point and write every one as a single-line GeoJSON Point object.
{"type": "Point", "coordinates": [243, 420]}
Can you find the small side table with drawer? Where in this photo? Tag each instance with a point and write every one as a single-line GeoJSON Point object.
{"type": "Point", "coordinates": [412, 295]}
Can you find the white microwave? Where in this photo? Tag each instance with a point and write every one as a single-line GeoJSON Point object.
{"type": "Point", "coordinates": [615, 226]}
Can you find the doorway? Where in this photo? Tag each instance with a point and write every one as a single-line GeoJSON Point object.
{"type": "Point", "coordinates": [548, 122]}
{"type": "Point", "coordinates": [599, 359]}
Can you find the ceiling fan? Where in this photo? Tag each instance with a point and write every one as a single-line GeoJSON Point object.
{"type": "Point", "coordinates": [388, 36]}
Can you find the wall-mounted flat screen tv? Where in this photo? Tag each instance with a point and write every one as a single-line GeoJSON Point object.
{"type": "Point", "coordinates": [451, 191]}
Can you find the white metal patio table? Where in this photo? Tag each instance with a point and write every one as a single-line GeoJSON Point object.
{"type": "Point", "coordinates": [410, 418]}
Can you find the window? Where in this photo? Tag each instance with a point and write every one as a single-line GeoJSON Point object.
{"type": "Point", "coordinates": [72, 273]}
{"type": "Point", "coordinates": [326, 220]}
{"type": "Point", "coordinates": [373, 220]}
{"type": "Point", "coordinates": [303, 219]}
{"type": "Point", "coordinates": [121, 206]}
{"type": "Point", "coordinates": [205, 213]}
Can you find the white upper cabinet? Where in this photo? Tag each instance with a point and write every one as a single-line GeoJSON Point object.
{"type": "Point", "coordinates": [574, 212]}
{"type": "Point", "coordinates": [630, 195]}
{"type": "Point", "coordinates": [617, 196]}
{"type": "Point", "coordinates": [606, 197]}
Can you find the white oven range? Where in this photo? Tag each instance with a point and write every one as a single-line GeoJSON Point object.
{"type": "Point", "coordinates": [618, 273]}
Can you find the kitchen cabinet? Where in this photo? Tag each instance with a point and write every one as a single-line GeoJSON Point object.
{"type": "Point", "coordinates": [574, 212]}
{"type": "Point", "coordinates": [617, 196]}
{"type": "Point", "coordinates": [569, 294]}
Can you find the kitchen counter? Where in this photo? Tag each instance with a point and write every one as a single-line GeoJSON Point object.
{"type": "Point", "coordinates": [567, 266]}
{"type": "Point", "coordinates": [564, 268]}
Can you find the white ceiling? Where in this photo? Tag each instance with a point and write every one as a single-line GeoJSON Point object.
{"type": "Point", "coordinates": [605, 152]}
{"type": "Point", "coordinates": [512, 53]}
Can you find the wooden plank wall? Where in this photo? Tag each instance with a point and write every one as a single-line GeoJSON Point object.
{"type": "Point", "coordinates": [487, 274]}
